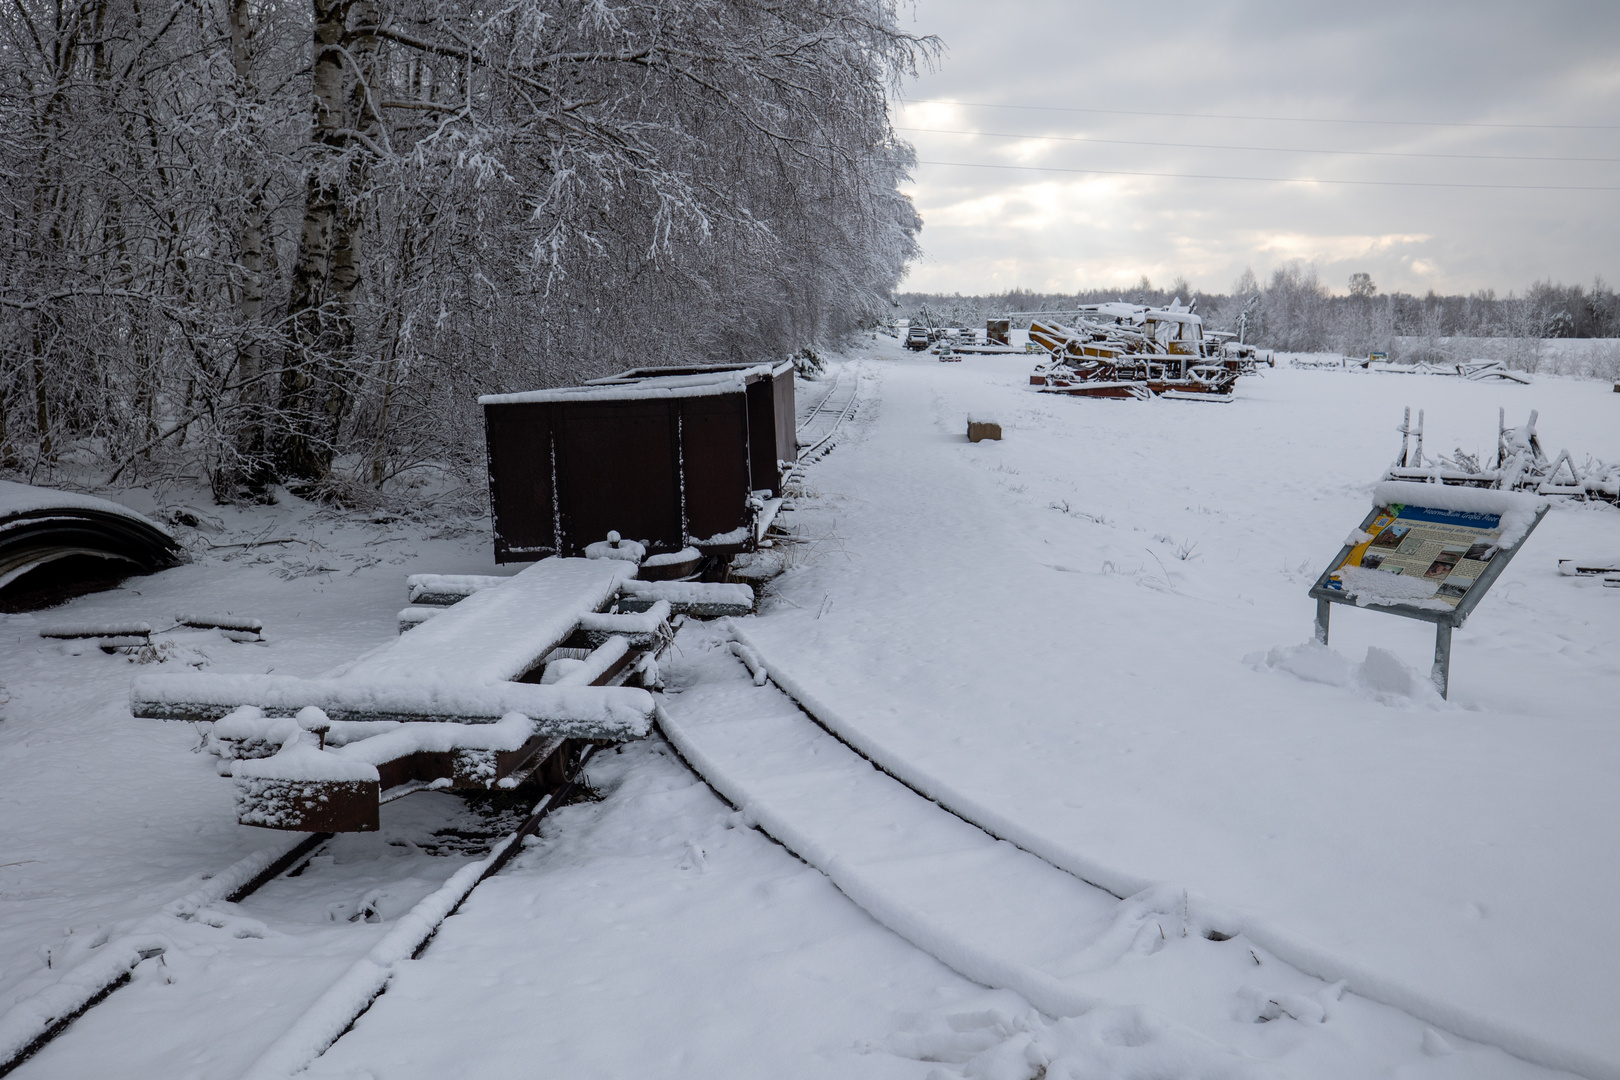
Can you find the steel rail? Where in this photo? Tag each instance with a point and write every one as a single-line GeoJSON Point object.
{"type": "Point", "coordinates": [262, 867]}
{"type": "Point", "coordinates": [815, 412]}
{"type": "Point", "coordinates": [353, 994]}
{"type": "Point", "coordinates": [812, 453]}
{"type": "Point", "coordinates": [57, 1006]}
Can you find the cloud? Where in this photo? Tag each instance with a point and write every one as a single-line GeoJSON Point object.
{"type": "Point", "coordinates": [1501, 64]}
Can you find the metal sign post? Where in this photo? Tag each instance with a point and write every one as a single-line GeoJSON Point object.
{"type": "Point", "coordinates": [1405, 535]}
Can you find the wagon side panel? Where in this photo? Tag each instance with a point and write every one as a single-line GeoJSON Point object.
{"type": "Point", "coordinates": [521, 493]}
{"type": "Point", "coordinates": [762, 435]}
{"type": "Point", "coordinates": [718, 469]}
{"type": "Point", "coordinates": [617, 470]}
{"type": "Point", "coordinates": [787, 437]}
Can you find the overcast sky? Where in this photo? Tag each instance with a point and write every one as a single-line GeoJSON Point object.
{"type": "Point", "coordinates": [1448, 71]}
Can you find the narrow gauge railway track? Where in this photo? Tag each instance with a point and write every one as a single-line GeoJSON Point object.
{"type": "Point", "coordinates": [35, 1022]}
{"type": "Point", "coordinates": [1009, 908]}
{"type": "Point", "coordinates": [819, 430]}
{"type": "Point", "coordinates": [347, 999]}
{"type": "Point", "coordinates": [821, 404]}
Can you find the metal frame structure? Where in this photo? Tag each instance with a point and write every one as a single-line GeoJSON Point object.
{"type": "Point", "coordinates": [1444, 620]}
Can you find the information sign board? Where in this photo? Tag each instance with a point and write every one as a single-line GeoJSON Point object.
{"type": "Point", "coordinates": [1427, 552]}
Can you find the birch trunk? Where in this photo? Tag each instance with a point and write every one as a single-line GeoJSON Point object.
{"type": "Point", "coordinates": [347, 278]}
{"type": "Point", "coordinates": [248, 472]}
{"type": "Point", "coordinates": [321, 332]}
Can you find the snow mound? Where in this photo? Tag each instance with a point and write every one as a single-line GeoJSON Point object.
{"type": "Point", "coordinates": [1383, 672]}
{"type": "Point", "coordinates": [1312, 661]}
{"type": "Point", "coordinates": [1382, 676]}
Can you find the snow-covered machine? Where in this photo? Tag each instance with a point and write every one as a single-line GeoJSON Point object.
{"type": "Point", "coordinates": [1520, 464]}
{"type": "Point", "coordinates": [1124, 350]}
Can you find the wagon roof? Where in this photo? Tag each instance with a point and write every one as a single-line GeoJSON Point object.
{"type": "Point", "coordinates": [647, 383]}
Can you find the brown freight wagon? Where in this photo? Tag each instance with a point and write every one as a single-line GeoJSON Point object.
{"type": "Point", "coordinates": [674, 457]}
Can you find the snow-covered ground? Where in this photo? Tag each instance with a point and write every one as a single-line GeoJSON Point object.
{"type": "Point", "coordinates": [105, 820]}
{"type": "Point", "coordinates": [1091, 637]}
{"type": "Point", "coordinates": [1097, 631]}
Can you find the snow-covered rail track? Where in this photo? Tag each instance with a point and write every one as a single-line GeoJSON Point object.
{"type": "Point", "coordinates": [367, 979]}
{"type": "Point", "coordinates": [820, 428]}
{"type": "Point", "coordinates": [301, 873]}
{"type": "Point", "coordinates": [1221, 1001]}
{"type": "Point", "coordinates": [31, 1024]}
{"type": "Point", "coordinates": [820, 404]}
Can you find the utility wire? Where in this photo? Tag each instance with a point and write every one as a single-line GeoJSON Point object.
{"type": "Point", "coordinates": [1260, 149]}
{"type": "Point", "coordinates": [1276, 179]}
{"type": "Point", "coordinates": [1283, 119]}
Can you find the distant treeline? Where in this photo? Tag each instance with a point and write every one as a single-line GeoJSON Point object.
{"type": "Point", "coordinates": [1295, 311]}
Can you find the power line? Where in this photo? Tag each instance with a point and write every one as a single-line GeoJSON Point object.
{"type": "Point", "coordinates": [1276, 179]}
{"type": "Point", "coordinates": [1282, 119]}
{"type": "Point", "coordinates": [1261, 149]}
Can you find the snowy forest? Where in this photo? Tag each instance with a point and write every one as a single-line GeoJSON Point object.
{"type": "Point", "coordinates": [1295, 310]}
{"type": "Point", "coordinates": [261, 241]}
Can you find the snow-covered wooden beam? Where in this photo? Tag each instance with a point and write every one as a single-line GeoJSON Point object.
{"type": "Point", "coordinates": [500, 633]}
{"type": "Point", "coordinates": [309, 783]}
{"type": "Point", "coordinates": [600, 713]}
{"type": "Point", "coordinates": [642, 628]}
{"type": "Point", "coordinates": [442, 590]}
{"type": "Point", "coordinates": [699, 599]}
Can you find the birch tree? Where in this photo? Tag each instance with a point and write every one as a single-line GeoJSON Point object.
{"type": "Point", "coordinates": [291, 240]}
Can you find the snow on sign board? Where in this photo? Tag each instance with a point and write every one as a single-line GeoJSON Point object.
{"type": "Point", "coordinates": [1431, 548]}
{"type": "Point", "coordinates": [1430, 558]}
{"type": "Point", "coordinates": [1430, 552]}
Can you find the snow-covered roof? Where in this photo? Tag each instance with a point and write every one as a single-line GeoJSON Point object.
{"type": "Point", "coordinates": [701, 384]}
{"type": "Point", "coordinates": [1161, 315]}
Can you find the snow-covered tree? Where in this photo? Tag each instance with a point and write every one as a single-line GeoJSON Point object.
{"type": "Point", "coordinates": [279, 239]}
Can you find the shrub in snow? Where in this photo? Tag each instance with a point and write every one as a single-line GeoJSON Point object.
{"type": "Point", "coordinates": [807, 363]}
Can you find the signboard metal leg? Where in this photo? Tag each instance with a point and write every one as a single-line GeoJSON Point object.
{"type": "Point", "coordinates": [1442, 657]}
{"type": "Point", "coordinates": [1322, 609]}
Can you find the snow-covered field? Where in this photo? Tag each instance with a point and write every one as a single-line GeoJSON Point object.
{"type": "Point", "coordinates": [1015, 623]}
{"type": "Point", "coordinates": [1092, 638]}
